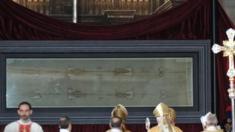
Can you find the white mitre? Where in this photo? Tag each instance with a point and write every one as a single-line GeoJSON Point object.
{"type": "Point", "coordinates": [209, 122]}
{"type": "Point", "coordinates": [209, 118]}
{"type": "Point", "coordinates": [203, 121]}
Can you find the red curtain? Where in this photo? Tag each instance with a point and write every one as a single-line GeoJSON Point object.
{"type": "Point", "coordinates": [190, 20]}
{"type": "Point", "coordinates": [224, 23]}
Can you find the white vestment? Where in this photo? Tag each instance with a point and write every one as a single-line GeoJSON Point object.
{"type": "Point", "coordinates": [14, 126]}
{"type": "Point", "coordinates": [64, 130]}
{"type": "Point", "coordinates": [115, 130]}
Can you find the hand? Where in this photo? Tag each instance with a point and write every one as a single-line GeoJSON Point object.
{"type": "Point", "coordinates": [147, 123]}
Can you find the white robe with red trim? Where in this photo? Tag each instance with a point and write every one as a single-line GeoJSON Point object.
{"type": "Point", "coordinates": [17, 125]}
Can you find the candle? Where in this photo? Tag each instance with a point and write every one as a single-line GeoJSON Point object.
{"type": "Point", "coordinates": [74, 11]}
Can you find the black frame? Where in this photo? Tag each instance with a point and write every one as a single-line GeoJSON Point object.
{"type": "Point", "coordinates": [199, 50]}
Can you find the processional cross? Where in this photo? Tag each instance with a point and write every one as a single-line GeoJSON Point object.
{"type": "Point", "coordinates": [228, 50]}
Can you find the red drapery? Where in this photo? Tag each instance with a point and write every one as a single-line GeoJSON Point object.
{"type": "Point", "coordinates": [191, 20]}
{"type": "Point", "coordinates": [224, 23]}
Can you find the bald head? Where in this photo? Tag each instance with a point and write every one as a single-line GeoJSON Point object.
{"type": "Point", "coordinates": [116, 122]}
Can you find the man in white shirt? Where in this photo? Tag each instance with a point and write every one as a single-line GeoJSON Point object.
{"type": "Point", "coordinates": [24, 124]}
{"type": "Point", "coordinates": [65, 124]}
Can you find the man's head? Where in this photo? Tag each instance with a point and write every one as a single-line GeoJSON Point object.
{"type": "Point", "coordinates": [120, 111]}
{"type": "Point", "coordinates": [116, 122]}
{"type": "Point", "coordinates": [65, 123]}
{"type": "Point", "coordinates": [162, 112]}
{"type": "Point", "coordinates": [24, 110]}
{"type": "Point", "coordinates": [209, 120]}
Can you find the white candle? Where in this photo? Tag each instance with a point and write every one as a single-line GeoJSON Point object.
{"type": "Point", "coordinates": [74, 11]}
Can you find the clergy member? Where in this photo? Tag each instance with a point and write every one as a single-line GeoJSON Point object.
{"type": "Point", "coordinates": [166, 119]}
{"type": "Point", "coordinates": [209, 123]}
{"type": "Point", "coordinates": [24, 124]}
{"type": "Point", "coordinates": [115, 124]}
{"type": "Point", "coordinates": [121, 112]}
{"type": "Point", "coordinates": [65, 124]}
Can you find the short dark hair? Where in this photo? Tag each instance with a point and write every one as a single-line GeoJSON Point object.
{"type": "Point", "coordinates": [64, 122]}
{"type": "Point", "coordinates": [116, 122]}
{"type": "Point", "coordinates": [25, 103]}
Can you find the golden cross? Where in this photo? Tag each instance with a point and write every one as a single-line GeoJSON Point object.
{"type": "Point", "coordinates": [228, 49]}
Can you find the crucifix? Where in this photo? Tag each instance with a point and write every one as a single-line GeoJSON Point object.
{"type": "Point", "coordinates": [228, 50]}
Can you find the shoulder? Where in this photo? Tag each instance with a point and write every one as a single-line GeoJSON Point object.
{"type": "Point", "coordinates": [108, 130]}
{"type": "Point", "coordinates": [11, 126]}
{"type": "Point", "coordinates": [36, 126]}
{"type": "Point", "coordinates": [177, 129]}
{"type": "Point", "coordinates": [153, 129]}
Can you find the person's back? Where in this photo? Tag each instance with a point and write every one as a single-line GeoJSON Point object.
{"type": "Point", "coordinates": [209, 123]}
{"type": "Point", "coordinates": [121, 112]}
{"type": "Point", "coordinates": [165, 117]}
{"type": "Point", "coordinates": [115, 125]}
{"type": "Point", "coordinates": [65, 124]}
